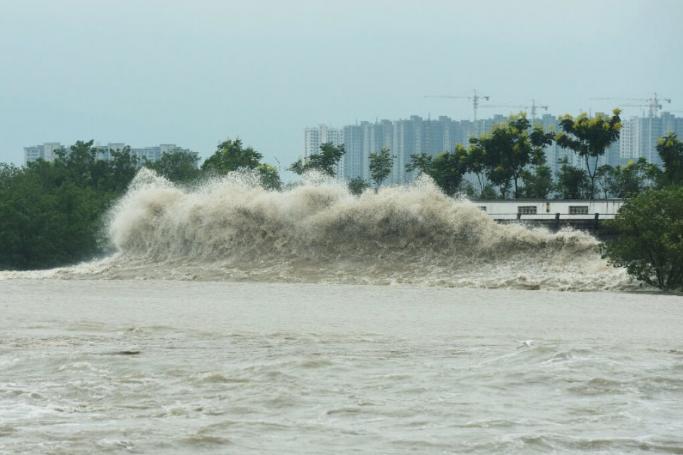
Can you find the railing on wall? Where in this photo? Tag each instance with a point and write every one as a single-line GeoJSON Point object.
{"type": "Point", "coordinates": [550, 216]}
{"type": "Point", "coordinates": [556, 220]}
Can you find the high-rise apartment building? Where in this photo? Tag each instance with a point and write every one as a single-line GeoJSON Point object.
{"type": "Point", "coordinates": [639, 136]}
{"type": "Point", "coordinates": [556, 155]}
{"type": "Point", "coordinates": [416, 135]}
{"type": "Point", "coordinates": [47, 151]}
{"type": "Point", "coordinates": [322, 134]}
{"type": "Point", "coordinates": [412, 136]}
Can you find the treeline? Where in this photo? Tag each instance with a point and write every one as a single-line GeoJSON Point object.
{"type": "Point", "coordinates": [52, 213]}
{"type": "Point", "coordinates": [510, 162]}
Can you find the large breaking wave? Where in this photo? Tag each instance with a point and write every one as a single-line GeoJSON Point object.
{"type": "Point", "coordinates": [232, 229]}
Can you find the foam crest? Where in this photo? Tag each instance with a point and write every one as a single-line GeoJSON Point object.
{"type": "Point", "coordinates": [231, 228]}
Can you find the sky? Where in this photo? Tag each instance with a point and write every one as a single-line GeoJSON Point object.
{"type": "Point", "coordinates": [195, 73]}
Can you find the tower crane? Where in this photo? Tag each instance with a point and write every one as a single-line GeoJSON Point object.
{"type": "Point", "coordinates": [653, 103]}
{"type": "Point", "coordinates": [532, 108]}
{"type": "Point", "coordinates": [535, 106]}
{"type": "Point", "coordinates": [475, 99]}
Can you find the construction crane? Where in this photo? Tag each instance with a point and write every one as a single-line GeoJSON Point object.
{"type": "Point", "coordinates": [654, 103]}
{"type": "Point", "coordinates": [532, 108]}
{"type": "Point", "coordinates": [475, 99]}
{"type": "Point", "coordinates": [535, 106]}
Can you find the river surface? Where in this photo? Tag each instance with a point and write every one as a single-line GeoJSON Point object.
{"type": "Point", "coordinates": [251, 368]}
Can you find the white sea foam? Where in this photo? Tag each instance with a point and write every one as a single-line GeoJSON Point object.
{"type": "Point", "coordinates": [232, 229]}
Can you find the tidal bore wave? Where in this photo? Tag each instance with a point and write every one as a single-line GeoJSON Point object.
{"type": "Point", "coordinates": [232, 229]}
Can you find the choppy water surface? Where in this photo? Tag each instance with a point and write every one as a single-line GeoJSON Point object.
{"type": "Point", "coordinates": [182, 367]}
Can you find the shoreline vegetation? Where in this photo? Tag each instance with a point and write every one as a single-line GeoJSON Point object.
{"type": "Point", "coordinates": [52, 213]}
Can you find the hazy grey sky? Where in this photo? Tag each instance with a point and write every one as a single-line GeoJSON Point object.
{"type": "Point", "coordinates": [196, 72]}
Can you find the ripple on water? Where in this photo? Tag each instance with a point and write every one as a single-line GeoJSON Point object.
{"type": "Point", "coordinates": [201, 440]}
{"type": "Point", "coordinates": [485, 376]}
{"type": "Point", "coordinates": [601, 386]}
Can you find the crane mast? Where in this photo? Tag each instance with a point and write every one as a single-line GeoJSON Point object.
{"type": "Point", "coordinates": [476, 99]}
{"type": "Point", "coordinates": [533, 107]}
{"type": "Point", "coordinates": [653, 103]}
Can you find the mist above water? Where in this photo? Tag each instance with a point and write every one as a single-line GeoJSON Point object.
{"type": "Point", "coordinates": [231, 228]}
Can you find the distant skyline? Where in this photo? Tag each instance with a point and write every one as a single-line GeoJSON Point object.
{"type": "Point", "coordinates": [195, 73]}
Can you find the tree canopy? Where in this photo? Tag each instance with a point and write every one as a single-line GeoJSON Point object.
{"type": "Point", "coordinates": [51, 212]}
{"type": "Point", "coordinates": [589, 137]}
{"type": "Point", "coordinates": [447, 169]}
{"type": "Point", "coordinates": [325, 161]}
{"type": "Point", "coordinates": [508, 150]}
{"type": "Point", "coordinates": [357, 185]}
{"type": "Point", "coordinates": [670, 150]}
{"type": "Point", "coordinates": [649, 238]}
{"type": "Point", "coordinates": [232, 156]}
{"type": "Point", "coordinates": [421, 163]}
{"type": "Point", "coordinates": [177, 165]}
{"type": "Point", "coordinates": [628, 180]}
{"type": "Point", "coordinates": [380, 165]}
{"type": "Point", "coordinates": [538, 184]}
{"type": "Point", "coordinates": [572, 182]}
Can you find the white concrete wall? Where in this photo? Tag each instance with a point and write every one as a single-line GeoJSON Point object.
{"type": "Point", "coordinates": [545, 209]}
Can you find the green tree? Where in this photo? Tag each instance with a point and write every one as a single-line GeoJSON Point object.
{"type": "Point", "coordinates": [508, 151]}
{"type": "Point", "coordinates": [380, 166]}
{"type": "Point", "coordinates": [628, 180]}
{"type": "Point", "coordinates": [589, 137]}
{"type": "Point", "coordinates": [77, 163]}
{"type": "Point", "coordinates": [325, 161]}
{"type": "Point", "coordinates": [606, 180]}
{"type": "Point", "coordinates": [50, 212]}
{"type": "Point", "coordinates": [81, 163]}
{"type": "Point", "coordinates": [8, 173]}
{"type": "Point", "coordinates": [122, 168]}
{"type": "Point", "coordinates": [572, 182]}
{"type": "Point", "coordinates": [468, 190]}
{"type": "Point", "coordinates": [476, 163]}
{"type": "Point", "coordinates": [177, 165]}
{"type": "Point", "coordinates": [421, 163]}
{"type": "Point", "coordinates": [649, 240]}
{"type": "Point", "coordinates": [298, 167]}
{"type": "Point", "coordinates": [539, 183]}
{"type": "Point", "coordinates": [670, 150]}
{"type": "Point", "coordinates": [488, 193]}
{"type": "Point", "coordinates": [448, 168]}
{"type": "Point", "coordinates": [357, 185]}
{"type": "Point", "coordinates": [231, 156]}
{"type": "Point", "coordinates": [270, 179]}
